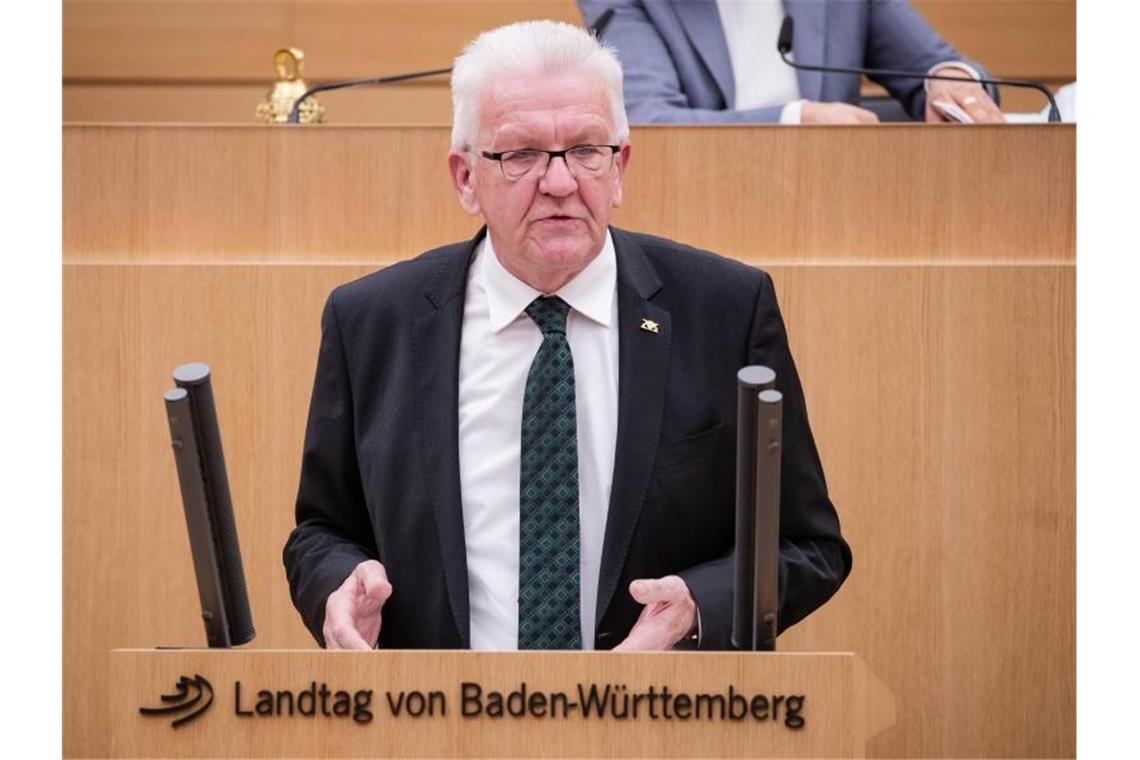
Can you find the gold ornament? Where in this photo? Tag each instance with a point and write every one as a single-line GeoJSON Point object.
{"type": "Point", "coordinates": [288, 87]}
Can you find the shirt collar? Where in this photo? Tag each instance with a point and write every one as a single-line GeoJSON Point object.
{"type": "Point", "coordinates": [590, 293]}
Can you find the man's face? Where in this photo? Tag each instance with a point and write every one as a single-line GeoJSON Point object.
{"type": "Point", "coordinates": [547, 229]}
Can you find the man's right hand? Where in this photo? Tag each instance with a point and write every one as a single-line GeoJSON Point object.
{"type": "Point", "coordinates": [836, 113]}
{"type": "Point", "coordinates": [352, 612]}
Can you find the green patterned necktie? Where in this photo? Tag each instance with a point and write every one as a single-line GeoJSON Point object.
{"type": "Point", "coordinates": [549, 616]}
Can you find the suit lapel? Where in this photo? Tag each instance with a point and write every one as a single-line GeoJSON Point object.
{"type": "Point", "coordinates": [436, 335]}
{"type": "Point", "coordinates": [643, 363]}
{"type": "Point", "coordinates": [808, 43]}
{"type": "Point", "coordinates": [701, 22]}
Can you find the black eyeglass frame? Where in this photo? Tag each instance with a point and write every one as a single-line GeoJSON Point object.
{"type": "Point", "coordinates": [551, 155]}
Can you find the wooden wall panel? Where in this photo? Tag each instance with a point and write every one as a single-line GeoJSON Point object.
{"type": "Point", "coordinates": [234, 40]}
{"type": "Point", "coordinates": [1035, 39]}
{"type": "Point", "coordinates": [128, 577]}
{"type": "Point", "coordinates": [110, 103]}
{"type": "Point", "coordinates": [942, 398]}
{"type": "Point", "coordinates": [172, 40]}
{"type": "Point", "coordinates": [896, 193]}
{"type": "Point", "coordinates": [952, 469]}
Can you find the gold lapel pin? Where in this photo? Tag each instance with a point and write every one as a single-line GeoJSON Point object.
{"type": "Point", "coordinates": [649, 325]}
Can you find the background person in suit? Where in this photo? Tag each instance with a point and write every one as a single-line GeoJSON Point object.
{"type": "Point", "coordinates": [527, 439]}
{"type": "Point", "coordinates": [715, 61]}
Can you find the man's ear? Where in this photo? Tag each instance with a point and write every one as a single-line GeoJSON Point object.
{"type": "Point", "coordinates": [621, 161]}
{"type": "Point", "coordinates": [464, 180]}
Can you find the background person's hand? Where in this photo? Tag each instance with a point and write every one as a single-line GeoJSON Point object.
{"type": "Point", "coordinates": [836, 113]}
{"type": "Point", "coordinates": [966, 93]}
{"type": "Point", "coordinates": [669, 614]}
{"type": "Point", "coordinates": [352, 612]}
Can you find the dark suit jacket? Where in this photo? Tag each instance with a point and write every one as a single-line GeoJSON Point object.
{"type": "Point", "coordinates": [677, 67]}
{"type": "Point", "coordinates": [380, 468]}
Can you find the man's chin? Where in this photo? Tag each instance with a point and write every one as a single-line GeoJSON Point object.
{"type": "Point", "coordinates": [566, 252]}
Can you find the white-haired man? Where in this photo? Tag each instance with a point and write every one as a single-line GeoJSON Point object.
{"type": "Point", "coordinates": [526, 440]}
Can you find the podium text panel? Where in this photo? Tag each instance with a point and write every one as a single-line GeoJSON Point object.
{"type": "Point", "coordinates": [464, 704]}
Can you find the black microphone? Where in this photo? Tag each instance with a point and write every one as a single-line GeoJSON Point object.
{"type": "Point", "coordinates": [595, 29]}
{"type": "Point", "coordinates": [784, 46]}
{"type": "Point", "coordinates": [598, 28]}
{"type": "Point", "coordinates": [756, 568]}
{"type": "Point", "coordinates": [784, 41]}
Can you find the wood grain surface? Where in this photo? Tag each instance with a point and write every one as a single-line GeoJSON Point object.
{"type": "Point", "coordinates": [1028, 39]}
{"type": "Point", "coordinates": [234, 40]}
{"type": "Point", "coordinates": [926, 276]}
{"type": "Point", "coordinates": [196, 102]}
{"type": "Point", "coordinates": [837, 692]}
{"type": "Point", "coordinates": [905, 193]}
{"type": "Point", "coordinates": [941, 397]}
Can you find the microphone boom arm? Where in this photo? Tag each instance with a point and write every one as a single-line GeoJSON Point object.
{"type": "Point", "coordinates": [596, 29]}
{"type": "Point", "coordinates": [786, 39]}
{"type": "Point", "coordinates": [295, 114]}
{"type": "Point", "coordinates": [1054, 112]}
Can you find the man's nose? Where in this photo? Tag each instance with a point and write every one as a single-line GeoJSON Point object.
{"type": "Point", "coordinates": [558, 180]}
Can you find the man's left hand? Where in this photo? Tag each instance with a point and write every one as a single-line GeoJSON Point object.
{"type": "Point", "coordinates": [966, 93]}
{"type": "Point", "coordinates": [669, 614]}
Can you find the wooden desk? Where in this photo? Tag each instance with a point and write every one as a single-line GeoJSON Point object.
{"type": "Point", "coordinates": [372, 195]}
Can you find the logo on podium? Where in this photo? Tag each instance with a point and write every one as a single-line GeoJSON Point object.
{"type": "Point", "coordinates": [191, 698]}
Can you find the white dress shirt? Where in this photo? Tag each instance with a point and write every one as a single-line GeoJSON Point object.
{"type": "Point", "coordinates": [761, 77]}
{"type": "Point", "coordinates": [498, 343]}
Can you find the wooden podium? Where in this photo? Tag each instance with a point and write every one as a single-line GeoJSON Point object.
{"type": "Point", "coordinates": [290, 703]}
{"type": "Point", "coordinates": [927, 278]}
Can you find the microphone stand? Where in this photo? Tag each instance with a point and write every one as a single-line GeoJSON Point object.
{"type": "Point", "coordinates": [295, 114]}
{"type": "Point", "coordinates": [784, 45]}
{"type": "Point", "coordinates": [596, 29]}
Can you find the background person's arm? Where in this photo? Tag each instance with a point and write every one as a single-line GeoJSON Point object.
{"type": "Point", "coordinates": [899, 38]}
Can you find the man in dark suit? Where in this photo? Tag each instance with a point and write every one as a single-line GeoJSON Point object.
{"type": "Point", "coordinates": [527, 440]}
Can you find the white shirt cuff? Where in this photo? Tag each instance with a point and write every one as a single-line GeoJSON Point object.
{"type": "Point", "coordinates": [950, 65]}
{"type": "Point", "coordinates": [793, 112]}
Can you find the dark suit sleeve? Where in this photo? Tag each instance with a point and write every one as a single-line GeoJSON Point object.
{"type": "Point", "coordinates": [333, 532]}
{"type": "Point", "coordinates": [899, 38]}
{"type": "Point", "coordinates": [814, 558]}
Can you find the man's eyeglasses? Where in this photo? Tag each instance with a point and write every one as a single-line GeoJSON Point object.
{"type": "Point", "coordinates": [532, 163]}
